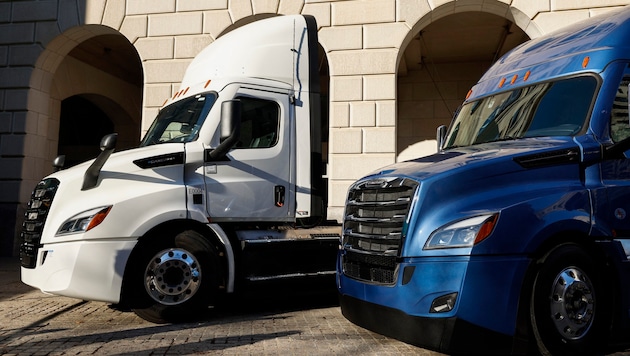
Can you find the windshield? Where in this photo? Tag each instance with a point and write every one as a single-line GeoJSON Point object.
{"type": "Point", "coordinates": [548, 109]}
{"type": "Point", "coordinates": [180, 121]}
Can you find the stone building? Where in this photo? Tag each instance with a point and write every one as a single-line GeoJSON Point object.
{"type": "Point", "coordinates": [393, 70]}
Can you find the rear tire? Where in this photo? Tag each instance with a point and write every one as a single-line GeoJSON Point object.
{"type": "Point", "coordinates": [173, 279]}
{"type": "Point", "coordinates": [570, 303]}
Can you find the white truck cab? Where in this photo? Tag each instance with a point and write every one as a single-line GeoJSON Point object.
{"type": "Point", "coordinates": [231, 164]}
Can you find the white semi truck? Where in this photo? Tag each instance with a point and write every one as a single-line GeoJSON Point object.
{"type": "Point", "coordinates": [228, 169]}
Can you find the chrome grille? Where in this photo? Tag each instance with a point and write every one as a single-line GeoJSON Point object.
{"type": "Point", "coordinates": [376, 211]}
{"type": "Point", "coordinates": [34, 219]}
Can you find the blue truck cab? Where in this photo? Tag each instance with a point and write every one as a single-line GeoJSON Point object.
{"type": "Point", "coordinates": [515, 236]}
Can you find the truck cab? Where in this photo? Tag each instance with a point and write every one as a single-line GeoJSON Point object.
{"type": "Point", "coordinates": [215, 194]}
{"type": "Point", "coordinates": [514, 237]}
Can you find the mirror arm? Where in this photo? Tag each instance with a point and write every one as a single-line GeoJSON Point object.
{"type": "Point", "coordinates": [90, 178]}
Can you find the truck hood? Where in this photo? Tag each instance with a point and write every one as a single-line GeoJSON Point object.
{"type": "Point", "coordinates": [135, 180]}
{"type": "Point", "coordinates": [517, 154]}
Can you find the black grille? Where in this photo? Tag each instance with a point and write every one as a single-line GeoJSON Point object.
{"type": "Point", "coordinates": [376, 211]}
{"type": "Point", "coordinates": [34, 219]}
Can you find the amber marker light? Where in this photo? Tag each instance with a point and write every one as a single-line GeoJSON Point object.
{"type": "Point", "coordinates": [501, 83]}
{"type": "Point", "coordinates": [207, 83]}
{"type": "Point", "coordinates": [526, 76]}
{"type": "Point", "coordinates": [585, 61]}
{"type": "Point", "coordinates": [469, 94]}
{"type": "Point", "coordinates": [514, 79]}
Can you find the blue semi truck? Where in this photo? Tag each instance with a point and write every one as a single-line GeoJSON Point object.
{"type": "Point", "coordinates": [515, 236]}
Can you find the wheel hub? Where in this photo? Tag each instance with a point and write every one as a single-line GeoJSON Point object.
{"type": "Point", "coordinates": [572, 303]}
{"type": "Point", "coordinates": [172, 276]}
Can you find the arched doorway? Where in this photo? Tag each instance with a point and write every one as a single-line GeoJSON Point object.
{"type": "Point", "coordinates": [86, 65]}
{"type": "Point", "coordinates": [439, 65]}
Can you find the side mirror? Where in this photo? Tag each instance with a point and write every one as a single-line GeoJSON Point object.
{"type": "Point", "coordinates": [229, 130]}
{"type": "Point", "coordinates": [59, 162]}
{"type": "Point", "coordinates": [440, 137]}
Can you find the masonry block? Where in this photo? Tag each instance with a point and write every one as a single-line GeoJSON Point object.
{"type": "Point", "coordinates": [19, 55]}
{"type": "Point", "coordinates": [155, 48]}
{"type": "Point", "coordinates": [5, 11]}
{"type": "Point", "coordinates": [25, 122]}
{"type": "Point", "coordinates": [362, 114]}
{"type": "Point", "coordinates": [320, 11]}
{"type": "Point", "coordinates": [199, 5]}
{"type": "Point", "coordinates": [134, 27]}
{"type": "Point", "coordinates": [379, 87]}
{"type": "Point", "coordinates": [187, 23]}
{"type": "Point", "coordinates": [15, 99]}
{"type": "Point", "coordinates": [165, 71]}
{"type": "Point", "coordinates": [15, 77]}
{"type": "Point", "coordinates": [6, 120]}
{"type": "Point", "coordinates": [12, 144]}
{"type": "Point", "coordinates": [265, 6]}
{"type": "Point", "coordinates": [410, 11]}
{"type": "Point", "coordinates": [379, 140]}
{"type": "Point", "coordinates": [94, 11]}
{"type": "Point", "coordinates": [14, 33]}
{"type": "Point", "coordinates": [346, 88]}
{"type": "Point", "coordinates": [32, 11]}
{"type": "Point", "coordinates": [339, 114]}
{"type": "Point", "coordinates": [346, 141]}
{"type": "Point", "coordinates": [156, 94]}
{"type": "Point", "coordinates": [341, 38]}
{"type": "Point", "coordinates": [114, 13]}
{"type": "Point", "coordinates": [290, 7]}
{"type": "Point", "coordinates": [386, 113]}
{"type": "Point", "coordinates": [362, 12]}
{"type": "Point", "coordinates": [363, 62]}
{"type": "Point", "coordinates": [190, 46]}
{"type": "Point", "coordinates": [137, 7]}
{"type": "Point", "coordinates": [388, 35]}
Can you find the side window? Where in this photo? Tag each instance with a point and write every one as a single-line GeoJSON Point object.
{"type": "Point", "coordinates": [619, 121]}
{"type": "Point", "coordinates": [259, 123]}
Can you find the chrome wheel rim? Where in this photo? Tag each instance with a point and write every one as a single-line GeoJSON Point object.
{"type": "Point", "coordinates": [172, 276]}
{"type": "Point", "coordinates": [572, 303]}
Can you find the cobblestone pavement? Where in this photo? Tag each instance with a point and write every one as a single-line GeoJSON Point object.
{"type": "Point", "coordinates": [33, 323]}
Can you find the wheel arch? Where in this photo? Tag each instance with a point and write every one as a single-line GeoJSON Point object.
{"type": "Point", "coordinates": [173, 227]}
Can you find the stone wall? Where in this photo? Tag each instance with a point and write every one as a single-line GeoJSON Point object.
{"type": "Point", "coordinates": [375, 113]}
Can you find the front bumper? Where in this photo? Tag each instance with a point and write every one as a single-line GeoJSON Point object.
{"type": "Point", "coordinates": [483, 318]}
{"type": "Point", "coordinates": [88, 270]}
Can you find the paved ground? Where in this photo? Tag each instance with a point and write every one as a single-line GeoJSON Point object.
{"type": "Point", "coordinates": [256, 323]}
{"type": "Point", "coordinates": [33, 323]}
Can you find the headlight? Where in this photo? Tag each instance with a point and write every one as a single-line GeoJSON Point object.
{"type": "Point", "coordinates": [84, 221]}
{"type": "Point", "coordinates": [463, 233]}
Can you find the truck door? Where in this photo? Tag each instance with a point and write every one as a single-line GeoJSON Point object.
{"type": "Point", "coordinates": [616, 171]}
{"type": "Point", "coordinates": [253, 182]}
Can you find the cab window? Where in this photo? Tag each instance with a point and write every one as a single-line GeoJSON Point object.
{"type": "Point", "coordinates": [259, 123]}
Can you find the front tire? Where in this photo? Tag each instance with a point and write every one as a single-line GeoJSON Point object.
{"type": "Point", "coordinates": [569, 306]}
{"type": "Point", "coordinates": [173, 279]}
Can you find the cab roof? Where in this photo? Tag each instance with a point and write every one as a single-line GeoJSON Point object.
{"type": "Point", "coordinates": [587, 46]}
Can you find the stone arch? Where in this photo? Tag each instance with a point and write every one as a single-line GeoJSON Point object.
{"type": "Point", "coordinates": [92, 60]}
{"type": "Point", "coordinates": [441, 58]}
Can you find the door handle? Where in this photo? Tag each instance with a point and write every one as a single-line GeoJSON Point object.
{"type": "Point", "coordinates": [278, 194]}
